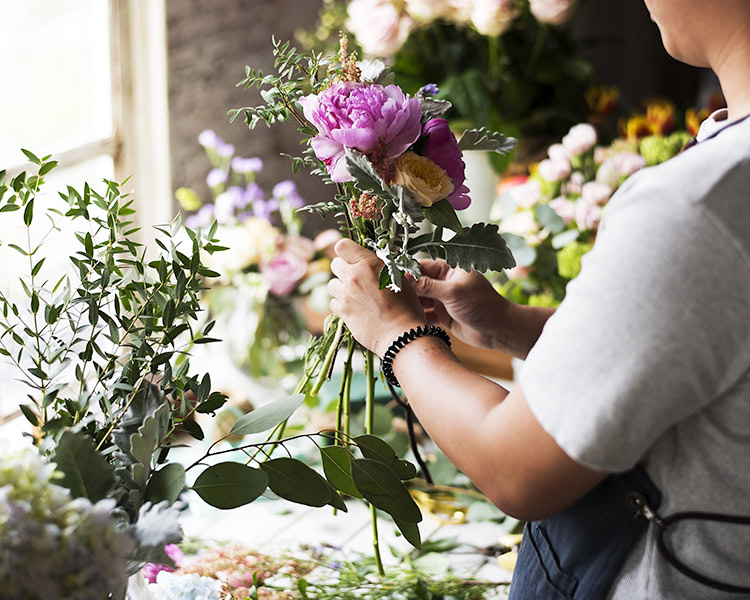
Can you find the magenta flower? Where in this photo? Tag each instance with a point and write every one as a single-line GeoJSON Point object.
{"type": "Point", "coordinates": [369, 118]}
{"type": "Point", "coordinates": [283, 272]}
{"type": "Point", "coordinates": [151, 570]}
{"type": "Point", "coordinates": [441, 147]}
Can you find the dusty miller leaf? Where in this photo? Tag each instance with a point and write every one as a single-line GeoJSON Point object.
{"type": "Point", "coordinates": [486, 140]}
{"type": "Point", "coordinates": [481, 247]}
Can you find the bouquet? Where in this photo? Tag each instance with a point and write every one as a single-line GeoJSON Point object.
{"type": "Point", "coordinates": [504, 64]}
{"type": "Point", "coordinates": [550, 217]}
{"type": "Point", "coordinates": [268, 268]}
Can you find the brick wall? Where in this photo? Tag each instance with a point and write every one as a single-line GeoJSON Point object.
{"type": "Point", "coordinates": [209, 44]}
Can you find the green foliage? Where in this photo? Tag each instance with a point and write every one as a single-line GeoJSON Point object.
{"type": "Point", "coordinates": [229, 485]}
{"type": "Point", "coordinates": [487, 141]}
{"type": "Point", "coordinates": [103, 347]}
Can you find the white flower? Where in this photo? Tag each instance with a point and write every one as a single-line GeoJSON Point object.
{"type": "Point", "coordinates": [51, 545]}
{"type": "Point", "coordinates": [559, 152]}
{"type": "Point", "coordinates": [426, 11]}
{"type": "Point", "coordinates": [378, 26]}
{"type": "Point", "coordinates": [170, 586]}
{"type": "Point", "coordinates": [521, 223]}
{"type": "Point", "coordinates": [554, 12]}
{"type": "Point", "coordinates": [580, 139]}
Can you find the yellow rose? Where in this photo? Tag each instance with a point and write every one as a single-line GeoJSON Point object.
{"type": "Point", "coordinates": [423, 178]}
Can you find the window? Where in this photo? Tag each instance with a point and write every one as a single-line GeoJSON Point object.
{"type": "Point", "coordinates": [87, 83]}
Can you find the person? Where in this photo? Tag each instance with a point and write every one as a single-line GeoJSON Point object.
{"type": "Point", "coordinates": [640, 380]}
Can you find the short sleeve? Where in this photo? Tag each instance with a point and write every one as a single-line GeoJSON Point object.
{"type": "Point", "coordinates": [655, 328]}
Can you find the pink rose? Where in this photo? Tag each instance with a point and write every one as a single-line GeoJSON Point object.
{"type": "Point", "coordinates": [588, 215]}
{"type": "Point", "coordinates": [596, 192]}
{"type": "Point", "coordinates": [527, 194]}
{"type": "Point", "coordinates": [378, 26]}
{"type": "Point", "coordinates": [441, 148]}
{"type": "Point", "coordinates": [493, 17]}
{"type": "Point", "coordinates": [326, 240]}
{"type": "Point", "coordinates": [580, 139]}
{"type": "Point", "coordinates": [575, 183]}
{"type": "Point", "coordinates": [566, 209]}
{"type": "Point", "coordinates": [559, 152]}
{"type": "Point", "coordinates": [554, 170]}
{"type": "Point", "coordinates": [554, 12]}
{"type": "Point", "coordinates": [283, 272]}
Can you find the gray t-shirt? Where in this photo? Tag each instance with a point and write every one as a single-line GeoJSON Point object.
{"type": "Point", "coordinates": [647, 360]}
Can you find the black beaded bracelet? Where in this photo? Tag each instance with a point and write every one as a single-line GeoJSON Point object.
{"type": "Point", "coordinates": [387, 362]}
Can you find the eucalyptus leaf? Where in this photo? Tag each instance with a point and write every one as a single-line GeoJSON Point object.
{"type": "Point", "coordinates": [86, 472]}
{"type": "Point", "coordinates": [442, 214]}
{"type": "Point", "coordinates": [166, 484]}
{"type": "Point", "coordinates": [524, 254]}
{"type": "Point", "coordinates": [486, 140]}
{"type": "Point", "coordinates": [377, 449]}
{"type": "Point", "coordinates": [564, 238]}
{"type": "Point", "coordinates": [268, 416]}
{"type": "Point", "coordinates": [337, 467]}
{"type": "Point", "coordinates": [384, 490]}
{"type": "Point", "coordinates": [229, 485]}
{"type": "Point", "coordinates": [293, 480]}
{"type": "Point", "coordinates": [547, 217]}
{"type": "Point", "coordinates": [410, 532]}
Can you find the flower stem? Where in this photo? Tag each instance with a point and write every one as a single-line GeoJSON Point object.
{"type": "Point", "coordinates": [342, 411]}
{"type": "Point", "coordinates": [325, 371]}
{"type": "Point", "coordinates": [369, 422]}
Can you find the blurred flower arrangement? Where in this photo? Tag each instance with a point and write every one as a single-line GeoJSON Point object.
{"type": "Point", "coordinates": [268, 267]}
{"type": "Point", "coordinates": [234, 572]}
{"type": "Point", "coordinates": [550, 216]}
{"type": "Point", "coordinates": [506, 65]}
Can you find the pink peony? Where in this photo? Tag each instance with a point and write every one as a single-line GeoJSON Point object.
{"type": "Point", "coordinates": [442, 149]}
{"type": "Point", "coordinates": [553, 12]}
{"type": "Point", "coordinates": [378, 25]}
{"type": "Point", "coordinates": [367, 118]}
{"type": "Point", "coordinates": [580, 139]}
{"type": "Point", "coordinates": [283, 272]}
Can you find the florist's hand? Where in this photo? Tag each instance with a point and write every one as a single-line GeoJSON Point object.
{"type": "Point", "coordinates": [465, 303]}
{"type": "Point", "coordinates": [375, 317]}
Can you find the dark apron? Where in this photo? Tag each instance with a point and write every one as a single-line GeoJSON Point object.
{"type": "Point", "coordinates": [577, 553]}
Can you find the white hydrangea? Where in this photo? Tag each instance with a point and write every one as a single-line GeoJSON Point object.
{"type": "Point", "coordinates": [170, 586]}
{"type": "Point", "coordinates": [51, 545]}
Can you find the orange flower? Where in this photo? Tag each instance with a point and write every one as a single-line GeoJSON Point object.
{"type": "Point", "coordinates": [602, 101]}
{"type": "Point", "coordinates": [635, 128]}
{"type": "Point", "coordinates": [694, 118]}
{"type": "Point", "coordinates": [660, 116]}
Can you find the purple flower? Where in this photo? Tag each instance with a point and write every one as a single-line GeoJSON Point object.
{"type": "Point", "coordinates": [209, 139]}
{"type": "Point", "coordinates": [225, 150]}
{"type": "Point", "coordinates": [367, 118]}
{"type": "Point", "coordinates": [263, 209]}
{"type": "Point", "coordinates": [202, 218]}
{"type": "Point", "coordinates": [441, 147]}
{"type": "Point", "coordinates": [283, 272]}
{"type": "Point", "coordinates": [247, 165]}
{"type": "Point", "coordinates": [287, 190]}
{"type": "Point", "coordinates": [429, 90]}
{"type": "Point", "coordinates": [216, 177]}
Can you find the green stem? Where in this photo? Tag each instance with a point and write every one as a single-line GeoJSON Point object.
{"type": "Point", "coordinates": [369, 422]}
{"type": "Point", "coordinates": [345, 386]}
{"type": "Point", "coordinates": [324, 373]}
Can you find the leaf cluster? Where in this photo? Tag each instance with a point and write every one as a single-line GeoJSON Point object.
{"type": "Point", "coordinates": [103, 347]}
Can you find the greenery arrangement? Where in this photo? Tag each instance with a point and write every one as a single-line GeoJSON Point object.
{"type": "Point", "coordinates": [103, 351]}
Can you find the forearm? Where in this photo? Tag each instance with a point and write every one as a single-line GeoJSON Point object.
{"type": "Point", "coordinates": [489, 434]}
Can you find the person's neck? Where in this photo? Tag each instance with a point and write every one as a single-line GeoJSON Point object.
{"type": "Point", "coordinates": [731, 64]}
